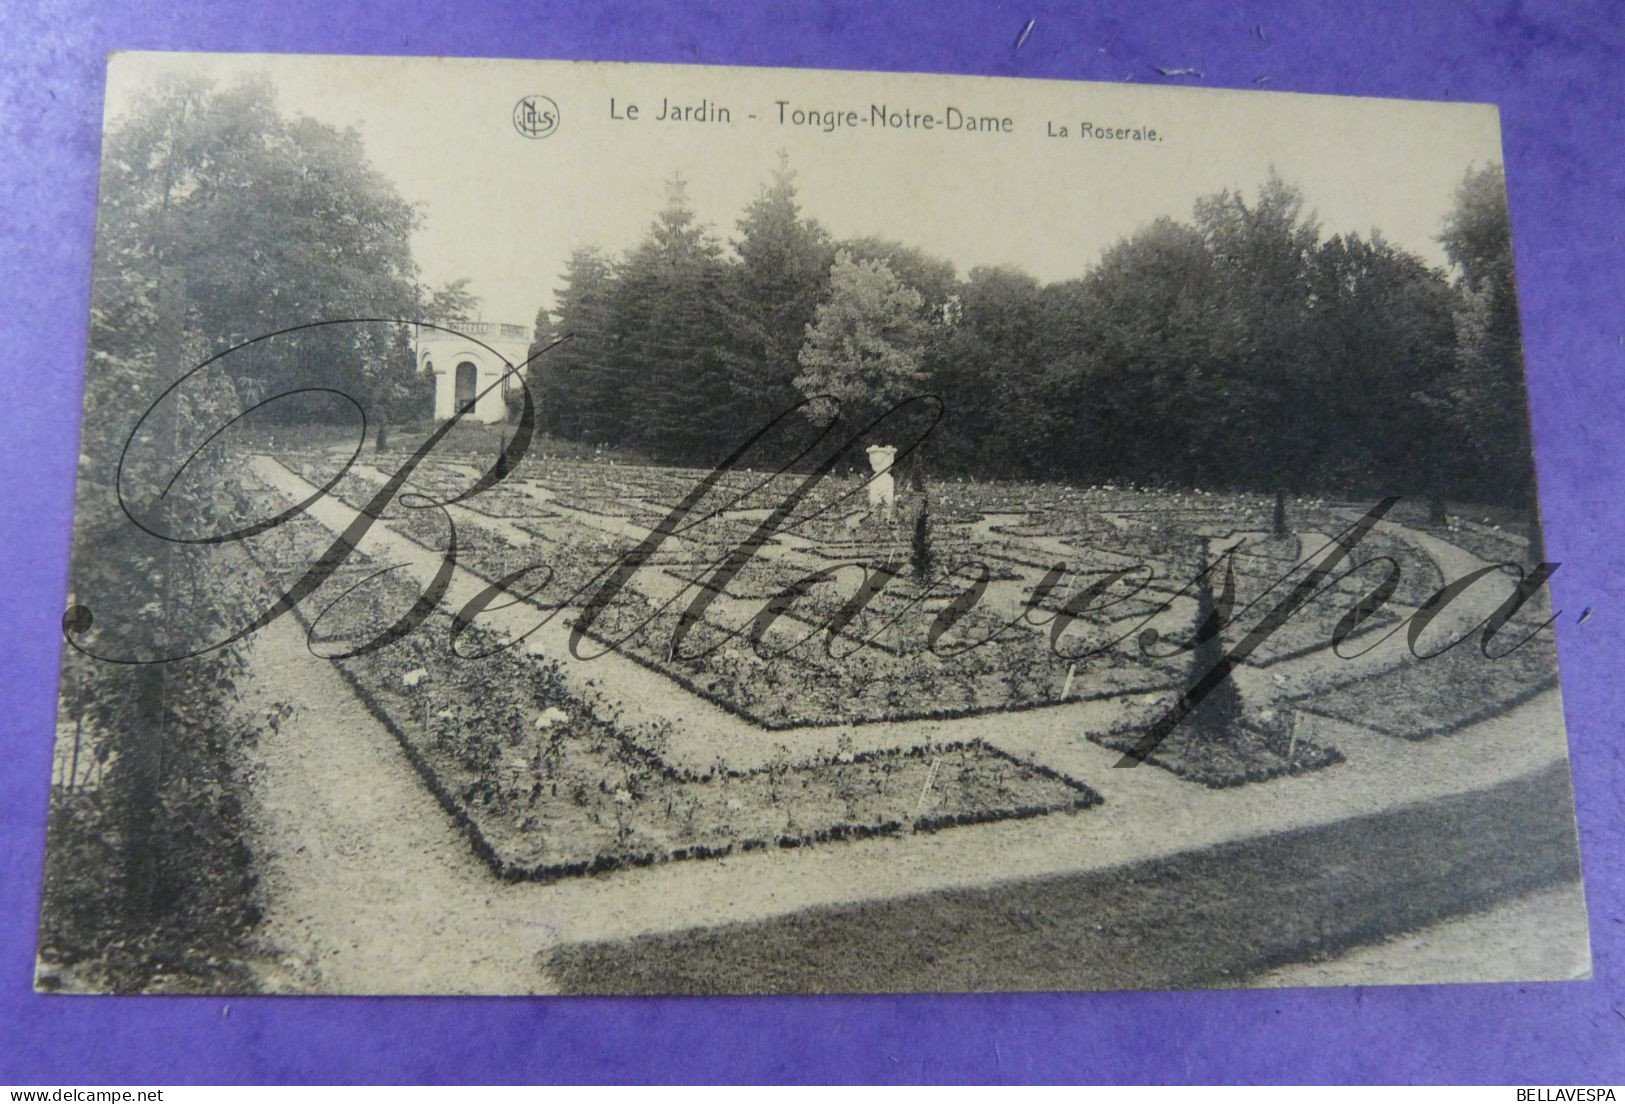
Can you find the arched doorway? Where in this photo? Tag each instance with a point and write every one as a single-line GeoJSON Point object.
{"type": "Point", "coordinates": [467, 382]}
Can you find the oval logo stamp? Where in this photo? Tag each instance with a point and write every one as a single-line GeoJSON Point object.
{"type": "Point", "coordinates": [536, 116]}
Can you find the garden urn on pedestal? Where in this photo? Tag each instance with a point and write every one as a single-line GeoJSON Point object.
{"type": "Point", "coordinates": [882, 488]}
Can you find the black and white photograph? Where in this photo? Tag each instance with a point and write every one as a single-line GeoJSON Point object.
{"type": "Point", "coordinates": [596, 528]}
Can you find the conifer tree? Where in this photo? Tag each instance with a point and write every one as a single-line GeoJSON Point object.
{"type": "Point", "coordinates": [579, 385]}
{"type": "Point", "coordinates": [667, 312]}
{"type": "Point", "coordinates": [1219, 713]}
{"type": "Point", "coordinates": [774, 291]}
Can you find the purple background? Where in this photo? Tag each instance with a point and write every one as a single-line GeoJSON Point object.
{"type": "Point", "coordinates": [1555, 69]}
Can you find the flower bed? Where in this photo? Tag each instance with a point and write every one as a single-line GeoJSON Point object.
{"type": "Point", "coordinates": [1421, 699]}
{"type": "Point", "coordinates": [1255, 750]}
{"type": "Point", "coordinates": [548, 783]}
{"type": "Point", "coordinates": [894, 678]}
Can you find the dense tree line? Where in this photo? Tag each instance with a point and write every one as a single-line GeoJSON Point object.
{"type": "Point", "coordinates": [1240, 348]}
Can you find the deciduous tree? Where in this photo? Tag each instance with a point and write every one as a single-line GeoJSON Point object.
{"type": "Point", "coordinates": [864, 346]}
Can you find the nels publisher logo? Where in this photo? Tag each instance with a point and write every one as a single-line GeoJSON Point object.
{"type": "Point", "coordinates": [536, 116]}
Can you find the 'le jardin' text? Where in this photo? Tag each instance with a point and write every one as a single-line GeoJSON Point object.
{"type": "Point", "coordinates": [787, 113]}
{"type": "Point", "coordinates": [877, 116]}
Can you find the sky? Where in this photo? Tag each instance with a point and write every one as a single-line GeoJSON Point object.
{"type": "Point", "coordinates": [506, 211]}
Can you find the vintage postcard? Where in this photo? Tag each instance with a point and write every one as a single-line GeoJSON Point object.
{"type": "Point", "coordinates": [559, 527]}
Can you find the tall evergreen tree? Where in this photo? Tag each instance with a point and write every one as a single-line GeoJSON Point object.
{"type": "Point", "coordinates": [1219, 714]}
{"type": "Point", "coordinates": [588, 399]}
{"type": "Point", "coordinates": [537, 368]}
{"type": "Point", "coordinates": [782, 276]}
{"type": "Point", "coordinates": [669, 327]}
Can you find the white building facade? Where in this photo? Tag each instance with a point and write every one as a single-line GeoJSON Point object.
{"type": "Point", "coordinates": [469, 360]}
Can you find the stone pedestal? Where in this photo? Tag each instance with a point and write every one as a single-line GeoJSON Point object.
{"type": "Point", "coordinates": [882, 488]}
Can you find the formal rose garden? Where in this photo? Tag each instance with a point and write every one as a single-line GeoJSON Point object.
{"type": "Point", "coordinates": [818, 624]}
